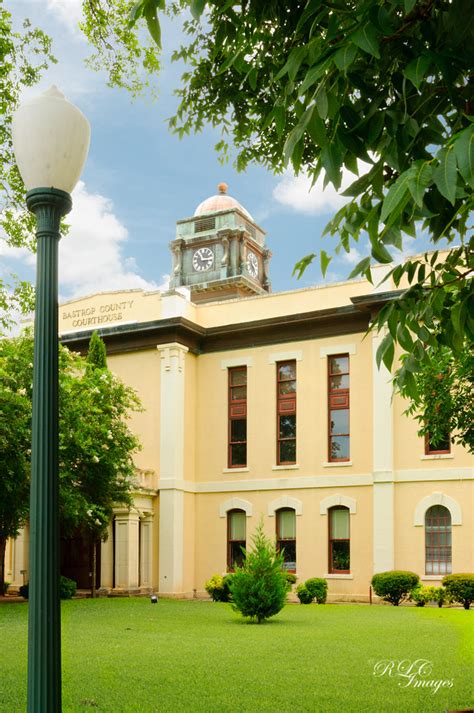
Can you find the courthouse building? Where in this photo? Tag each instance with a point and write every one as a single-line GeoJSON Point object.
{"type": "Point", "coordinates": [263, 406]}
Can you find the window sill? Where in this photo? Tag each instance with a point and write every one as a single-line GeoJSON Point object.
{"type": "Point", "coordinates": [432, 577]}
{"type": "Point", "coordinates": [292, 466]}
{"type": "Point", "coordinates": [236, 470]}
{"type": "Point", "coordinates": [338, 576]}
{"type": "Point", "coordinates": [339, 464]}
{"type": "Point", "coordinates": [437, 456]}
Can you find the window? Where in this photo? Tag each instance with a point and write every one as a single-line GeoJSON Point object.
{"type": "Point", "coordinates": [442, 446]}
{"type": "Point", "coordinates": [286, 537]}
{"type": "Point", "coordinates": [286, 412]}
{"type": "Point", "coordinates": [437, 540]}
{"type": "Point", "coordinates": [338, 408]}
{"type": "Point", "coordinates": [236, 526]}
{"type": "Point", "coordinates": [339, 540]}
{"type": "Point", "coordinates": [238, 417]}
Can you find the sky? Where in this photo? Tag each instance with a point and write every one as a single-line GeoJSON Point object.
{"type": "Point", "coordinates": [139, 179]}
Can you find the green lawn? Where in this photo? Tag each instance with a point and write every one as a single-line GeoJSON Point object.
{"type": "Point", "coordinates": [122, 655]}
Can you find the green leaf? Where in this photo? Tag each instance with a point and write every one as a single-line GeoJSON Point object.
{"type": "Point", "coordinates": [136, 12]}
{"type": "Point", "coordinates": [345, 56]}
{"type": "Point", "coordinates": [409, 5]}
{"type": "Point", "coordinates": [322, 102]}
{"type": "Point", "coordinates": [380, 253]}
{"type": "Point", "coordinates": [416, 70]}
{"type": "Point", "coordinates": [293, 63]}
{"type": "Point", "coordinates": [464, 152]}
{"type": "Point", "coordinates": [317, 130]}
{"type": "Point", "coordinates": [312, 76]}
{"type": "Point", "coordinates": [385, 352]}
{"type": "Point", "coordinates": [366, 37]}
{"type": "Point", "coordinates": [302, 264]}
{"type": "Point", "coordinates": [396, 194]}
{"type": "Point", "coordinates": [325, 259]}
{"type": "Point", "coordinates": [153, 23]}
{"type": "Point", "coordinates": [331, 158]}
{"type": "Point", "coordinates": [421, 180]}
{"type": "Point", "coordinates": [197, 8]}
{"type": "Point", "coordinates": [361, 268]}
{"type": "Point", "coordinates": [445, 174]}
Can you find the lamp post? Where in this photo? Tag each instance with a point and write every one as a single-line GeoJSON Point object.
{"type": "Point", "coordinates": [51, 141]}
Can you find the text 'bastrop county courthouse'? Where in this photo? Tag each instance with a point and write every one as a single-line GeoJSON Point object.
{"type": "Point", "coordinates": [262, 405]}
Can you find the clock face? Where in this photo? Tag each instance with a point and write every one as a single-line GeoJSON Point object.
{"type": "Point", "coordinates": [203, 259]}
{"type": "Point", "coordinates": [252, 264]}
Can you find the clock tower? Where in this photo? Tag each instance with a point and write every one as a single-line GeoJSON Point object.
{"type": "Point", "coordinates": [219, 253]}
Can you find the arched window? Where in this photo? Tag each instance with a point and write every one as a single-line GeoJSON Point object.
{"type": "Point", "coordinates": [438, 540]}
{"type": "Point", "coordinates": [339, 540]}
{"type": "Point", "coordinates": [236, 538]}
{"type": "Point", "coordinates": [286, 536]}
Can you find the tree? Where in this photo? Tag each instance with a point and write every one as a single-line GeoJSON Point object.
{"type": "Point", "coordinates": [23, 58]}
{"type": "Point", "coordinates": [15, 440]}
{"type": "Point", "coordinates": [259, 587]}
{"type": "Point", "coordinates": [96, 446]}
{"type": "Point", "coordinates": [446, 410]}
{"type": "Point", "coordinates": [381, 89]}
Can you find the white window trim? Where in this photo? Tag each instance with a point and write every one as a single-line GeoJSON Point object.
{"type": "Point", "coordinates": [235, 504]}
{"type": "Point", "coordinates": [336, 464]}
{"type": "Point", "coordinates": [236, 361]}
{"type": "Point", "coordinates": [285, 502]}
{"type": "Point", "coordinates": [437, 456]}
{"type": "Point", "coordinates": [437, 499]}
{"type": "Point", "coordinates": [293, 466]}
{"type": "Point", "coordinates": [332, 349]}
{"type": "Point", "coordinates": [285, 356]}
{"type": "Point", "coordinates": [338, 576]}
{"type": "Point", "coordinates": [335, 500]}
{"type": "Point", "coordinates": [236, 470]}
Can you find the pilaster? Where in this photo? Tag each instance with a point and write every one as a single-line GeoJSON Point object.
{"type": "Point", "coordinates": [126, 549]}
{"type": "Point", "coordinates": [382, 447]}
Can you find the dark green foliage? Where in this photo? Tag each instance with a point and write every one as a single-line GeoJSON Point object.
{"type": "Point", "coordinates": [67, 588]}
{"type": "Point", "coordinates": [318, 588]}
{"type": "Point", "coordinates": [258, 588]}
{"type": "Point", "coordinates": [96, 354]}
{"type": "Point", "coordinates": [219, 587]}
{"type": "Point", "coordinates": [303, 594]}
{"type": "Point", "coordinates": [290, 579]}
{"type": "Point", "coordinates": [394, 586]}
{"type": "Point", "coordinates": [5, 587]}
{"type": "Point", "coordinates": [460, 588]}
{"type": "Point", "coordinates": [443, 404]}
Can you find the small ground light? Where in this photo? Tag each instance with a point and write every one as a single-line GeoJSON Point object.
{"type": "Point", "coordinates": [154, 599]}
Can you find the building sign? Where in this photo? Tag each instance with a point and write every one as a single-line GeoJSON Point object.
{"type": "Point", "coordinates": [96, 315]}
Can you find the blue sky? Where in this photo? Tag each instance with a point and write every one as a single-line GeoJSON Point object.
{"type": "Point", "coordinates": [140, 179]}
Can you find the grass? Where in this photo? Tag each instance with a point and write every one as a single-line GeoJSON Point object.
{"type": "Point", "coordinates": [126, 655]}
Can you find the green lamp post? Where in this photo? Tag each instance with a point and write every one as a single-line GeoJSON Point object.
{"type": "Point", "coordinates": [51, 140]}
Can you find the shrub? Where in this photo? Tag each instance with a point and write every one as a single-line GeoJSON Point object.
{"type": "Point", "coordinates": [420, 595]}
{"type": "Point", "coordinates": [290, 579]}
{"type": "Point", "coordinates": [439, 595]}
{"type": "Point", "coordinates": [226, 583]}
{"type": "Point", "coordinates": [215, 588]}
{"type": "Point", "coordinates": [303, 594]}
{"type": "Point", "coordinates": [258, 588]}
{"type": "Point", "coordinates": [67, 588]}
{"type": "Point", "coordinates": [318, 588]}
{"type": "Point", "coordinates": [394, 586]}
{"type": "Point", "coordinates": [5, 587]}
{"type": "Point", "coordinates": [460, 588]}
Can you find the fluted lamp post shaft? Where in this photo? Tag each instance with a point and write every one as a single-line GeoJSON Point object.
{"type": "Point", "coordinates": [51, 140]}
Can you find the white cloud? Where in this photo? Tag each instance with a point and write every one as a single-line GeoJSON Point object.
{"type": "Point", "coordinates": [296, 192]}
{"type": "Point", "coordinates": [68, 13]}
{"type": "Point", "coordinates": [90, 255]}
{"type": "Point", "coordinates": [352, 257]}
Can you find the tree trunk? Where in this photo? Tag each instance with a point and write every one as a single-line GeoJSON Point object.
{"type": "Point", "coordinates": [3, 545]}
{"type": "Point", "coordinates": [94, 568]}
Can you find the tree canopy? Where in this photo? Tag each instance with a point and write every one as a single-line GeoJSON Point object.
{"type": "Point", "coordinates": [23, 58]}
{"type": "Point", "coordinates": [96, 445]}
{"type": "Point", "coordinates": [382, 89]}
